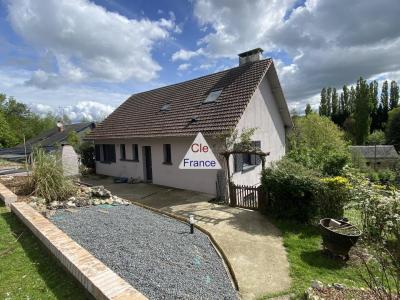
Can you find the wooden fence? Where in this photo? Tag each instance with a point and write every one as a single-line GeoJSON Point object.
{"type": "Point", "coordinates": [251, 197]}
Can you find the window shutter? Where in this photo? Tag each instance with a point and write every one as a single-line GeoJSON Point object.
{"type": "Point", "coordinates": [238, 162]}
{"type": "Point", "coordinates": [97, 152]}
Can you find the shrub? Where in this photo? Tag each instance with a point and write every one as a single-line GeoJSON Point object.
{"type": "Point", "coordinates": [47, 177]}
{"type": "Point", "coordinates": [379, 207]}
{"type": "Point", "coordinates": [385, 176]}
{"type": "Point", "coordinates": [87, 153]}
{"type": "Point", "coordinates": [317, 143]}
{"type": "Point", "coordinates": [334, 195]}
{"type": "Point", "coordinates": [300, 194]}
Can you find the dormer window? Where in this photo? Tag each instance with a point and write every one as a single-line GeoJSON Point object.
{"type": "Point", "coordinates": [165, 107]}
{"type": "Point", "coordinates": [212, 96]}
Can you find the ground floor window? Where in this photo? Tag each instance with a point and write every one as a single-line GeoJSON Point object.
{"type": "Point", "coordinates": [122, 151]}
{"type": "Point", "coordinates": [108, 153]}
{"type": "Point", "coordinates": [167, 154]}
{"type": "Point", "coordinates": [135, 152]}
{"type": "Point", "coordinates": [246, 161]}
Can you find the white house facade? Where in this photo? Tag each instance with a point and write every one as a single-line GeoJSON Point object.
{"type": "Point", "coordinates": [248, 96]}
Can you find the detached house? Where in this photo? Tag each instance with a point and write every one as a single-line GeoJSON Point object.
{"type": "Point", "coordinates": [149, 134]}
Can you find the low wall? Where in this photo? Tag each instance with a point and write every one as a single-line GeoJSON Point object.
{"type": "Point", "coordinates": [97, 278]}
{"type": "Point", "coordinates": [7, 196]}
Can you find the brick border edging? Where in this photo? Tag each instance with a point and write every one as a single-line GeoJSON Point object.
{"type": "Point", "coordinates": [96, 278]}
{"type": "Point", "coordinates": [7, 196]}
{"type": "Point", "coordinates": [213, 241]}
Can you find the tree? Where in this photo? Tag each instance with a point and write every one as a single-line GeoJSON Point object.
{"type": "Point", "coordinates": [323, 107]}
{"type": "Point", "coordinates": [362, 112]}
{"type": "Point", "coordinates": [335, 103]}
{"type": "Point", "coordinates": [393, 128]}
{"type": "Point", "coordinates": [73, 139]}
{"type": "Point", "coordinates": [373, 91]}
{"type": "Point", "coordinates": [329, 100]}
{"type": "Point", "coordinates": [308, 109]}
{"type": "Point", "coordinates": [385, 96]}
{"type": "Point", "coordinates": [376, 138]}
{"type": "Point", "coordinates": [352, 99]}
{"type": "Point", "coordinates": [317, 143]}
{"type": "Point", "coordinates": [394, 95]}
{"type": "Point", "coordinates": [346, 100]}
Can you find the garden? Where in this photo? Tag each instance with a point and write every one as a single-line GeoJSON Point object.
{"type": "Point", "coordinates": [315, 180]}
{"type": "Point", "coordinates": [156, 254]}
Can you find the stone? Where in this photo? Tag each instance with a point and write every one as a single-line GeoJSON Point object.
{"type": "Point", "coordinates": [100, 191]}
{"type": "Point", "coordinates": [54, 205]}
{"type": "Point", "coordinates": [318, 285]}
{"type": "Point", "coordinates": [339, 286]}
{"type": "Point", "coordinates": [96, 202]}
{"type": "Point", "coordinates": [70, 204]}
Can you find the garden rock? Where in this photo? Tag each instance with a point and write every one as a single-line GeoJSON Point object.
{"type": "Point", "coordinates": [316, 284]}
{"type": "Point", "coordinates": [100, 191]}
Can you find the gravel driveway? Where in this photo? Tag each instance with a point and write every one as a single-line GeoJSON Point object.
{"type": "Point", "coordinates": [154, 253]}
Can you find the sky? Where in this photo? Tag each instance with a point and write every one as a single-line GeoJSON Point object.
{"type": "Point", "coordinates": [85, 58]}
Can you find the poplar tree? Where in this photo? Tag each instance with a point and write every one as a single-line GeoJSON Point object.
{"type": "Point", "coordinates": [346, 100]}
{"type": "Point", "coordinates": [352, 99]}
{"type": "Point", "coordinates": [335, 103]}
{"type": "Point", "coordinates": [394, 95]}
{"type": "Point", "coordinates": [329, 101]}
{"type": "Point", "coordinates": [362, 111]}
{"type": "Point", "coordinates": [308, 109]}
{"type": "Point", "coordinates": [323, 107]}
{"type": "Point", "coordinates": [373, 92]}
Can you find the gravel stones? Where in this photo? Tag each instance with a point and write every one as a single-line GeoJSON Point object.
{"type": "Point", "coordinates": [154, 253]}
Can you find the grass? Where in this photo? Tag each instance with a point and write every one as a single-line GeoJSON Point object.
{"type": "Point", "coordinates": [308, 262]}
{"type": "Point", "coordinates": [27, 270]}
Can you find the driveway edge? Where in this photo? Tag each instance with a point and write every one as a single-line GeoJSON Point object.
{"type": "Point", "coordinates": [213, 241]}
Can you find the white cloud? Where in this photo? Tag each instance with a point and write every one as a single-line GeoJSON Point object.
{"type": "Point", "coordinates": [87, 41]}
{"type": "Point", "coordinates": [183, 67]}
{"type": "Point", "coordinates": [78, 101]}
{"type": "Point", "coordinates": [183, 54]}
{"type": "Point", "coordinates": [84, 110]}
{"type": "Point", "coordinates": [330, 42]}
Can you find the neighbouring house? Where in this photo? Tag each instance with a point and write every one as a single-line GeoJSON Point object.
{"type": "Point", "coordinates": [148, 135]}
{"type": "Point", "coordinates": [376, 156]}
{"type": "Point", "coordinates": [52, 140]}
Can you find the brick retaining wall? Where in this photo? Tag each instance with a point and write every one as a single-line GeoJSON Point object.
{"type": "Point", "coordinates": [97, 278]}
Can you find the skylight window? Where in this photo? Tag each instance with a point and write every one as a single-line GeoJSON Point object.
{"type": "Point", "coordinates": [213, 96]}
{"type": "Point", "coordinates": [165, 107]}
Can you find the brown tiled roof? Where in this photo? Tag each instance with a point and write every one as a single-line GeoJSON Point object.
{"type": "Point", "coordinates": [141, 115]}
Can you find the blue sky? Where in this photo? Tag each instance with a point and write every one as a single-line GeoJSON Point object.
{"type": "Point", "coordinates": [89, 56]}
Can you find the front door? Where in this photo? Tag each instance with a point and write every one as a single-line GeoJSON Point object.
{"type": "Point", "coordinates": [147, 163]}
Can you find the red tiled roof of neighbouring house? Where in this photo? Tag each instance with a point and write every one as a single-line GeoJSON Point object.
{"type": "Point", "coordinates": [141, 115]}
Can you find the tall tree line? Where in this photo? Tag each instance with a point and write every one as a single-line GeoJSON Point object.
{"type": "Point", "coordinates": [359, 109]}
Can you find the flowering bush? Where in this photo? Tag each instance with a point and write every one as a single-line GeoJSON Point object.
{"type": "Point", "coordinates": [379, 206]}
{"type": "Point", "coordinates": [334, 194]}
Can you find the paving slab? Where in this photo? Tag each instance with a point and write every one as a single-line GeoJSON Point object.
{"type": "Point", "coordinates": [252, 244]}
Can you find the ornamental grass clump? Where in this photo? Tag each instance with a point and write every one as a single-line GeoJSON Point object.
{"type": "Point", "coordinates": [48, 180]}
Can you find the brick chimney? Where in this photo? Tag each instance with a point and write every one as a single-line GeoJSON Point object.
{"type": "Point", "coordinates": [250, 56]}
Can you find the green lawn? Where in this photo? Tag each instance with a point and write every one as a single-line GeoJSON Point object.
{"type": "Point", "coordinates": [27, 270]}
{"type": "Point", "coordinates": [308, 262]}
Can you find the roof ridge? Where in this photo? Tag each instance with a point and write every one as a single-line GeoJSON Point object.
{"type": "Point", "coordinates": [193, 79]}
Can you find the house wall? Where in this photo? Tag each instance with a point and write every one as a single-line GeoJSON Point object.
{"type": "Point", "coordinates": [262, 113]}
{"type": "Point", "coordinates": [168, 175]}
{"type": "Point", "coordinates": [70, 161]}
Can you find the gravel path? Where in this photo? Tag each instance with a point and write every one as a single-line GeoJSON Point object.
{"type": "Point", "coordinates": [155, 254]}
